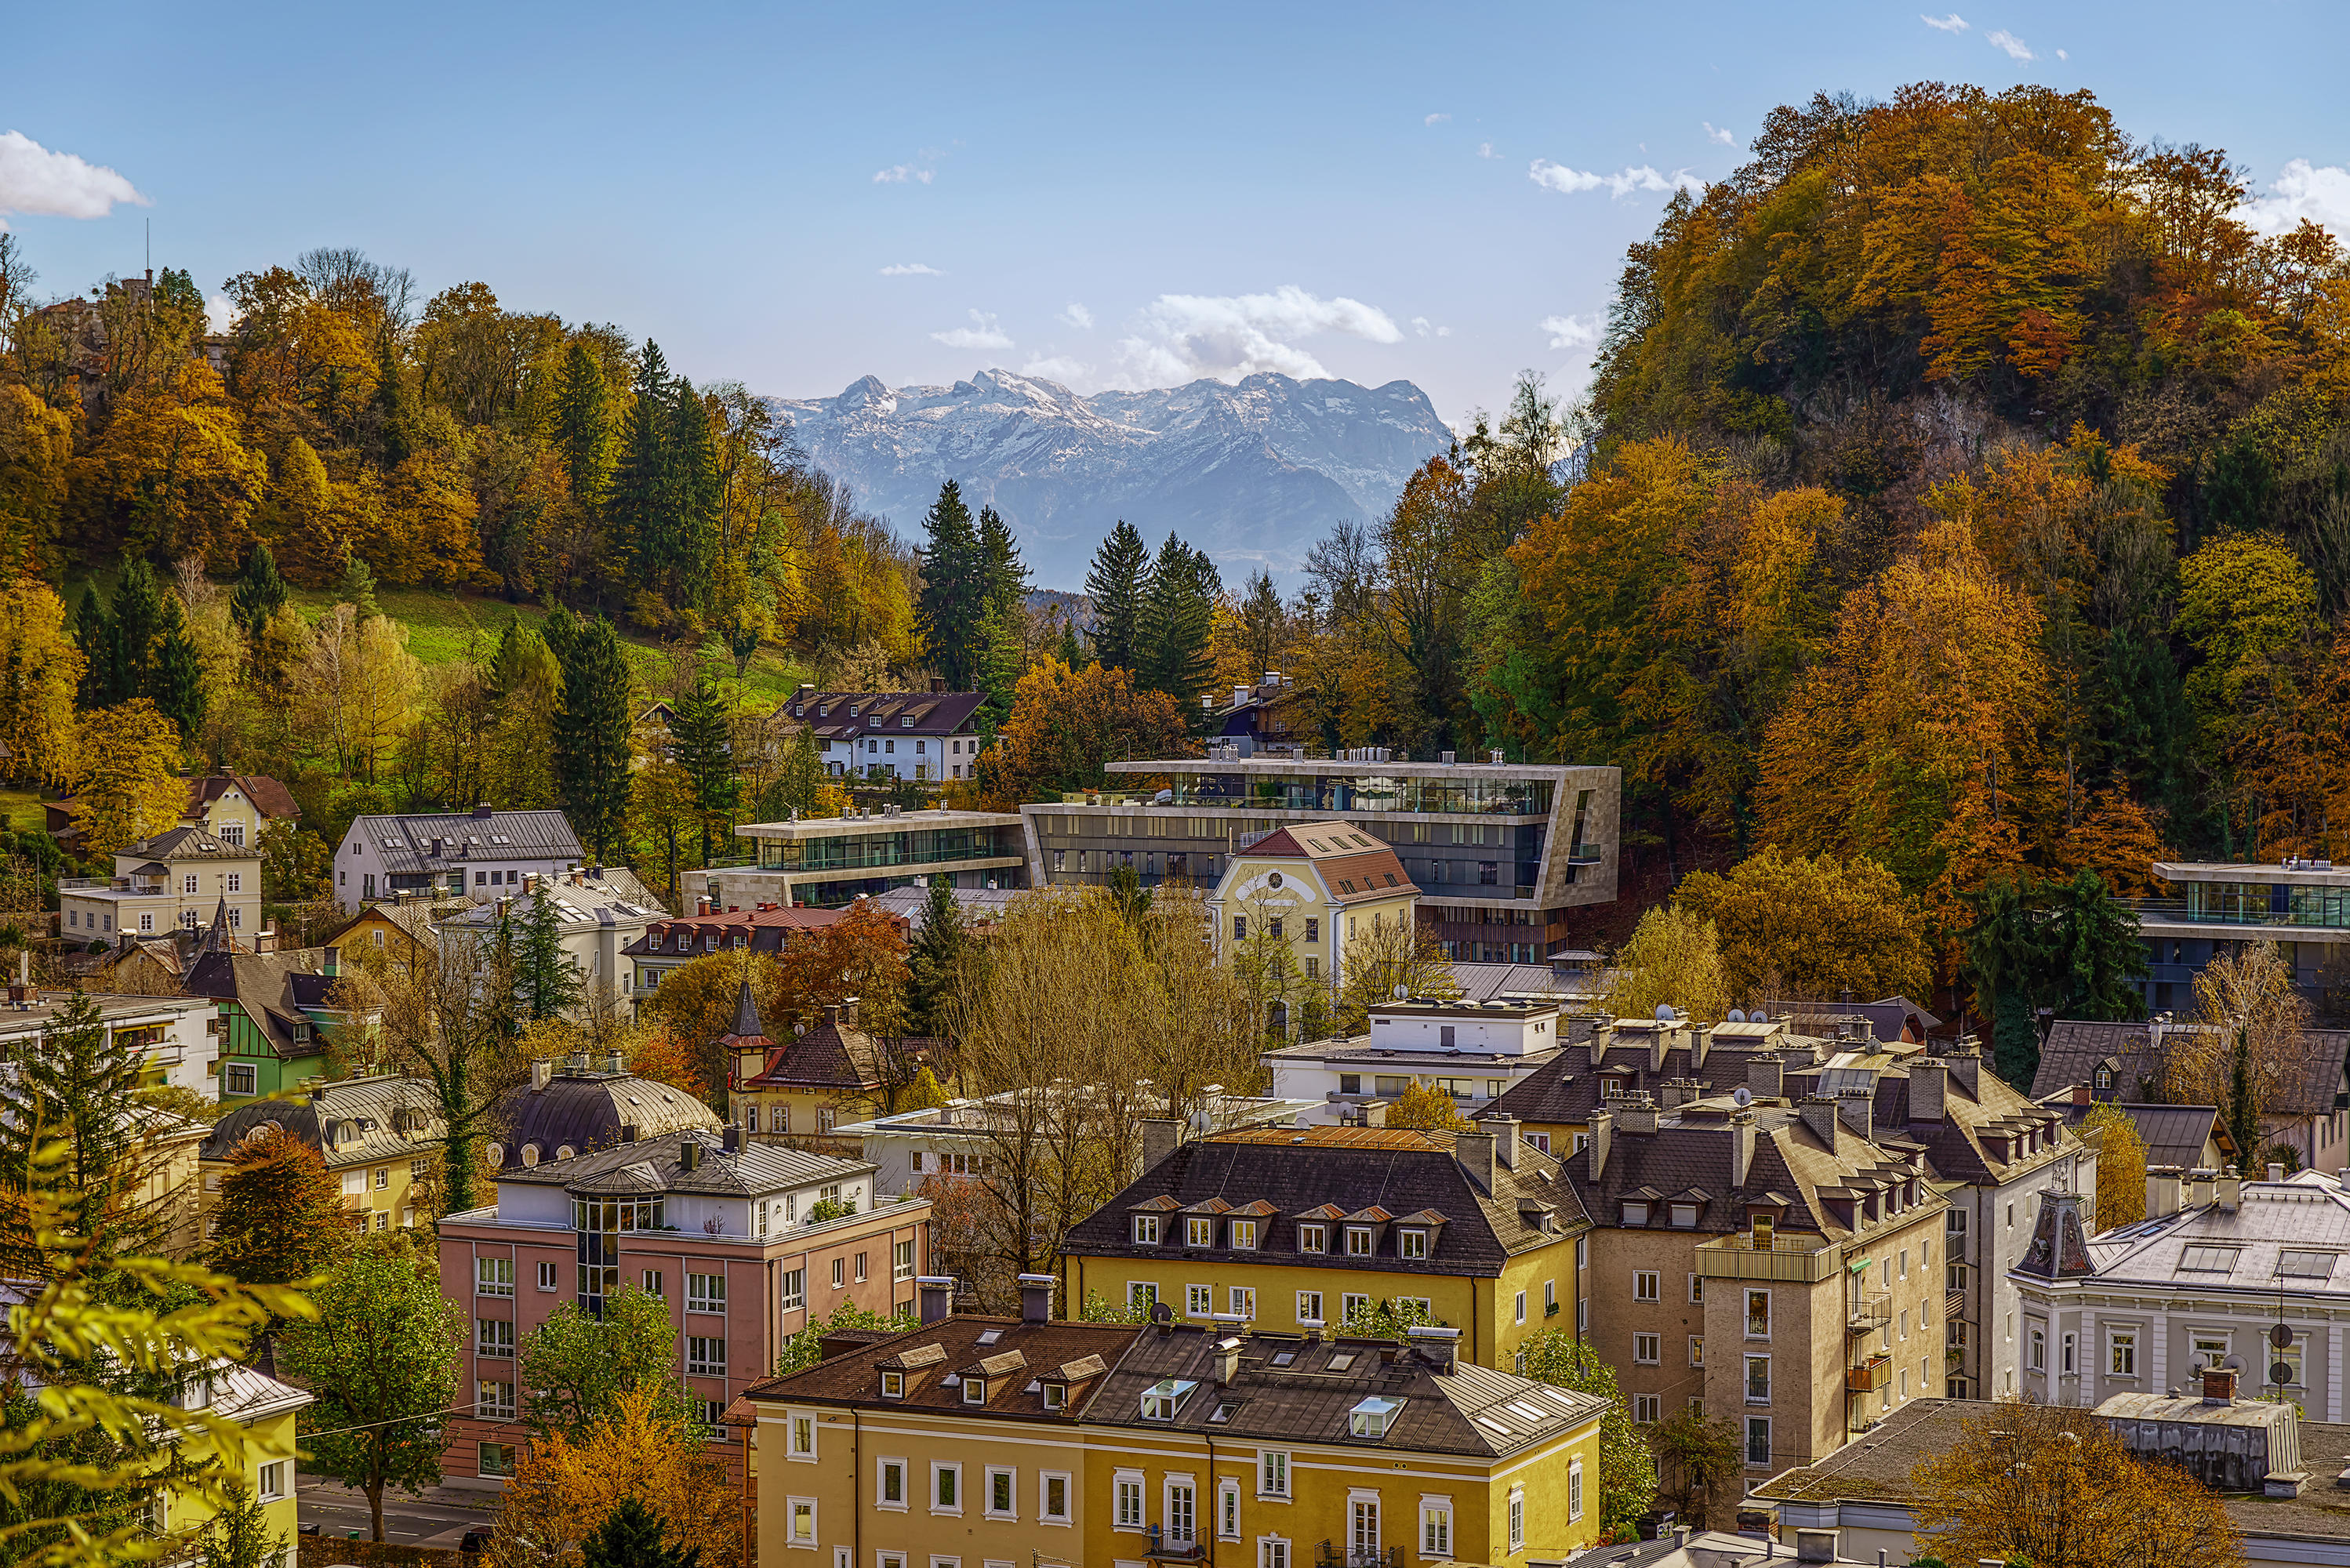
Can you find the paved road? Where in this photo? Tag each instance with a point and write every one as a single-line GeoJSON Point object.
{"type": "Point", "coordinates": [439, 1518]}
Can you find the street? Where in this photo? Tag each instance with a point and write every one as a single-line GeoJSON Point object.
{"type": "Point", "coordinates": [439, 1518]}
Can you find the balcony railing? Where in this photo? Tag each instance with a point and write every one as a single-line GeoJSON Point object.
{"type": "Point", "coordinates": [1954, 1306]}
{"type": "Point", "coordinates": [1870, 1377]}
{"type": "Point", "coordinates": [1328, 1556]}
{"type": "Point", "coordinates": [1869, 1313]}
{"type": "Point", "coordinates": [2321, 907]}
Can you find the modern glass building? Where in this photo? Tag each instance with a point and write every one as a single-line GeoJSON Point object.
{"type": "Point", "coordinates": [1500, 851]}
{"type": "Point", "coordinates": [2302, 906]}
{"type": "Point", "coordinates": [823, 862]}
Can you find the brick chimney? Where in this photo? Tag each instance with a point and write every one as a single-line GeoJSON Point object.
{"type": "Point", "coordinates": [1037, 1297]}
{"type": "Point", "coordinates": [1857, 1109]}
{"type": "Point", "coordinates": [1474, 1151]}
{"type": "Point", "coordinates": [1700, 1044]}
{"type": "Point", "coordinates": [1741, 1147]}
{"type": "Point", "coordinates": [937, 1295]}
{"type": "Point", "coordinates": [1819, 1113]}
{"type": "Point", "coordinates": [1603, 1035]}
{"type": "Point", "coordinates": [1929, 1089]}
{"type": "Point", "coordinates": [1505, 1140]}
{"type": "Point", "coordinates": [1635, 1116]}
{"type": "Point", "coordinates": [1438, 1346]}
{"type": "Point", "coordinates": [1766, 1076]}
{"type": "Point", "coordinates": [1603, 1135]}
{"type": "Point", "coordinates": [1161, 1136]}
{"type": "Point", "coordinates": [2218, 1386]}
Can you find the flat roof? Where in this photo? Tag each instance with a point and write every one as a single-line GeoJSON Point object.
{"type": "Point", "coordinates": [1279, 766]}
{"type": "Point", "coordinates": [904, 822]}
{"type": "Point", "coordinates": [2299, 874]}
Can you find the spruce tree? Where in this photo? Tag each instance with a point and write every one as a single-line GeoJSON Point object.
{"type": "Point", "coordinates": [996, 668]}
{"type": "Point", "coordinates": [935, 961]}
{"type": "Point", "coordinates": [1004, 574]}
{"type": "Point", "coordinates": [259, 594]}
{"type": "Point", "coordinates": [631, 1537]}
{"type": "Point", "coordinates": [138, 618]}
{"type": "Point", "coordinates": [357, 588]}
{"type": "Point", "coordinates": [177, 683]}
{"type": "Point", "coordinates": [389, 410]}
{"type": "Point", "coordinates": [1176, 650]}
{"type": "Point", "coordinates": [545, 982]}
{"type": "Point", "coordinates": [690, 546]}
{"type": "Point", "coordinates": [701, 742]}
{"type": "Point", "coordinates": [592, 741]}
{"type": "Point", "coordinates": [954, 587]}
{"type": "Point", "coordinates": [1117, 582]}
{"type": "Point", "coordinates": [238, 1535]}
{"type": "Point", "coordinates": [583, 425]}
{"type": "Point", "coordinates": [79, 1087]}
{"type": "Point", "coordinates": [1067, 650]}
{"type": "Point", "coordinates": [639, 503]}
{"type": "Point", "coordinates": [94, 633]}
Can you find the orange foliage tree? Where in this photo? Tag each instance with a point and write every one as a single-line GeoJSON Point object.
{"type": "Point", "coordinates": [564, 1489]}
{"type": "Point", "coordinates": [1067, 724]}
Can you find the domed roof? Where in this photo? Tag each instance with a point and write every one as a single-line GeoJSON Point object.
{"type": "Point", "coordinates": [577, 1111]}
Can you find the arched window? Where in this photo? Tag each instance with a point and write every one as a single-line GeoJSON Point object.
{"type": "Point", "coordinates": [2103, 1078]}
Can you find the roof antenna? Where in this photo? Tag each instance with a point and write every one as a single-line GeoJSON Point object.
{"type": "Point", "coordinates": [151, 250]}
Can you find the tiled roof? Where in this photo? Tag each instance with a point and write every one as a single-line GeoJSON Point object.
{"type": "Point", "coordinates": [763, 930]}
{"type": "Point", "coordinates": [1368, 1172]}
{"type": "Point", "coordinates": [405, 842]}
{"type": "Point", "coordinates": [2075, 1049]}
{"type": "Point", "coordinates": [654, 1164]}
{"type": "Point", "coordinates": [186, 844]}
{"type": "Point", "coordinates": [833, 1054]}
{"type": "Point", "coordinates": [882, 712]}
{"type": "Point", "coordinates": [273, 799]}
{"type": "Point", "coordinates": [274, 988]}
{"type": "Point", "coordinates": [1353, 865]}
{"type": "Point", "coordinates": [926, 1355]}
{"type": "Point", "coordinates": [373, 1120]}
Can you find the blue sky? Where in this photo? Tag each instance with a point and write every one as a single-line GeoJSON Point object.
{"type": "Point", "coordinates": [1108, 195]}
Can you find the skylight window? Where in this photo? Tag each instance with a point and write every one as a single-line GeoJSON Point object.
{"type": "Point", "coordinates": [1343, 1360]}
{"type": "Point", "coordinates": [1164, 1398]}
{"type": "Point", "coordinates": [2207, 1260]}
{"type": "Point", "coordinates": [991, 1336]}
{"type": "Point", "coordinates": [1284, 1357]}
{"type": "Point", "coordinates": [1372, 1416]}
{"type": "Point", "coordinates": [2307, 1265]}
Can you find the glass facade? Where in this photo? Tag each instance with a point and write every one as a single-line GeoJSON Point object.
{"type": "Point", "coordinates": [598, 1224]}
{"type": "Point", "coordinates": [915, 847]}
{"type": "Point", "coordinates": [2254, 904]}
{"type": "Point", "coordinates": [1341, 791]}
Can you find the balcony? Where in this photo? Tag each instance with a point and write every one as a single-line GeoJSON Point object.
{"type": "Point", "coordinates": [1954, 1306]}
{"type": "Point", "coordinates": [2225, 904]}
{"type": "Point", "coordinates": [1787, 1258]}
{"type": "Point", "coordinates": [1870, 1377]}
{"type": "Point", "coordinates": [1328, 1556]}
{"type": "Point", "coordinates": [1869, 1313]}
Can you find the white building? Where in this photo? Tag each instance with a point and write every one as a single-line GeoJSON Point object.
{"type": "Point", "coordinates": [480, 852]}
{"type": "Point", "coordinates": [1473, 1050]}
{"type": "Point", "coordinates": [596, 917]}
{"type": "Point", "coordinates": [929, 737]}
{"type": "Point", "coordinates": [175, 880]}
{"type": "Point", "coordinates": [173, 1033]}
{"type": "Point", "coordinates": [2215, 1268]}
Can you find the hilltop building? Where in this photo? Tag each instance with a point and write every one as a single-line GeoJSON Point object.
{"type": "Point", "coordinates": [927, 736]}
{"type": "Point", "coordinates": [172, 880]}
{"type": "Point", "coordinates": [480, 852]}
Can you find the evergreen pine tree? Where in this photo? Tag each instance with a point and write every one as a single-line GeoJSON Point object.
{"type": "Point", "coordinates": [138, 617]}
{"type": "Point", "coordinates": [79, 1086]}
{"type": "Point", "coordinates": [357, 588]}
{"type": "Point", "coordinates": [639, 503]}
{"type": "Point", "coordinates": [94, 632]}
{"type": "Point", "coordinates": [691, 546]}
{"type": "Point", "coordinates": [1004, 574]}
{"type": "Point", "coordinates": [547, 984]}
{"type": "Point", "coordinates": [1067, 651]}
{"type": "Point", "coordinates": [389, 410]}
{"type": "Point", "coordinates": [1265, 622]}
{"type": "Point", "coordinates": [259, 594]}
{"type": "Point", "coordinates": [583, 425]}
{"type": "Point", "coordinates": [801, 777]}
{"type": "Point", "coordinates": [177, 683]}
{"type": "Point", "coordinates": [701, 742]}
{"type": "Point", "coordinates": [935, 959]}
{"type": "Point", "coordinates": [954, 587]}
{"type": "Point", "coordinates": [237, 1536]}
{"type": "Point", "coordinates": [631, 1537]}
{"type": "Point", "coordinates": [1178, 625]}
{"type": "Point", "coordinates": [996, 668]}
{"type": "Point", "coordinates": [1117, 584]}
{"type": "Point", "coordinates": [592, 739]}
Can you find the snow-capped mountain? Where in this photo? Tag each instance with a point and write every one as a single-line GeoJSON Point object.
{"type": "Point", "coordinates": [1251, 472]}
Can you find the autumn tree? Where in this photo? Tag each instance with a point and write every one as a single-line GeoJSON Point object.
{"type": "Point", "coordinates": [2249, 1049]}
{"type": "Point", "coordinates": [126, 777]}
{"type": "Point", "coordinates": [572, 1481]}
{"type": "Point", "coordinates": [280, 1217]}
{"type": "Point", "coordinates": [1673, 959]}
{"type": "Point", "coordinates": [2112, 1133]}
{"type": "Point", "coordinates": [1700, 1460]}
{"type": "Point", "coordinates": [1067, 724]}
{"type": "Point", "coordinates": [357, 687]}
{"type": "Point", "coordinates": [1811, 927]}
{"type": "Point", "coordinates": [1627, 1468]}
{"type": "Point", "coordinates": [1425, 1106]}
{"type": "Point", "coordinates": [1382, 958]}
{"type": "Point", "coordinates": [579, 1371]}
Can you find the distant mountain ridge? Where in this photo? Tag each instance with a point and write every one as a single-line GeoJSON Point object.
{"type": "Point", "coordinates": [1251, 472]}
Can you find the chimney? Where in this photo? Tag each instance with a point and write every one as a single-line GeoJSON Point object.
{"type": "Point", "coordinates": [1228, 1361]}
{"type": "Point", "coordinates": [334, 965]}
{"type": "Point", "coordinates": [2081, 1094]}
{"type": "Point", "coordinates": [1819, 1113]}
{"type": "Point", "coordinates": [2276, 1172]}
{"type": "Point", "coordinates": [1603, 1133]}
{"type": "Point", "coordinates": [701, 906]}
{"type": "Point", "coordinates": [2218, 1386]}
{"type": "Point", "coordinates": [612, 1061]}
{"type": "Point", "coordinates": [1741, 1147]}
{"type": "Point", "coordinates": [1603, 1035]}
{"type": "Point", "coordinates": [482, 812]}
{"type": "Point", "coordinates": [1700, 1044]}
{"type": "Point", "coordinates": [1474, 1150]}
{"type": "Point", "coordinates": [730, 1139]}
{"type": "Point", "coordinates": [1965, 1062]}
{"type": "Point", "coordinates": [1857, 1109]}
{"type": "Point", "coordinates": [1660, 1043]}
{"type": "Point", "coordinates": [627, 1132]}
{"type": "Point", "coordinates": [1680, 1092]}
{"type": "Point", "coordinates": [1929, 1089]}
{"type": "Point", "coordinates": [1635, 1116]}
{"type": "Point", "coordinates": [1815, 1546]}
{"type": "Point", "coordinates": [436, 848]}
{"type": "Point", "coordinates": [540, 1070]}
{"type": "Point", "coordinates": [689, 1154]}
{"type": "Point", "coordinates": [1037, 1297]}
{"type": "Point", "coordinates": [2199, 1187]}
{"type": "Point", "coordinates": [937, 1295]}
{"type": "Point", "coordinates": [2229, 1190]}
{"type": "Point", "coordinates": [1160, 1137]}
{"type": "Point", "coordinates": [1505, 1139]}
{"type": "Point", "coordinates": [2162, 1183]}
{"type": "Point", "coordinates": [1766, 1075]}
{"type": "Point", "coordinates": [937, 685]}
{"type": "Point", "coordinates": [1441, 1347]}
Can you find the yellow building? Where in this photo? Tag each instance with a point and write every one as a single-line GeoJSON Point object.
{"type": "Point", "coordinates": [1293, 903]}
{"type": "Point", "coordinates": [1295, 1229]}
{"type": "Point", "coordinates": [816, 1082]}
{"type": "Point", "coordinates": [172, 882]}
{"type": "Point", "coordinates": [990, 1442]}
{"type": "Point", "coordinates": [265, 1408]}
{"type": "Point", "coordinates": [378, 1136]}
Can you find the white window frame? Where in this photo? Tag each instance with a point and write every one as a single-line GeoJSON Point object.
{"type": "Point", "coordinates": [1517, 1519]}
{"type": "Point", "coordinates": [802, 1444]}
{"type": "Point", "coordinates": [1228, 1508]}
{"type": "Point", "coordinates": [1574, 1490]}
{"type": "Point", "coordinates": [882, 1467]}
{"type": "Point", "coordinates": [1167, 1488]}
{"type": "Point", "coordinates": [1435, 1517]}
{"type": "Point", "coordinates": [939, 1468]}
{"type": "Point", "coordinates": [1126, 1486]}
{"type": "Point", "coordinates": [1273, 1474]}
{"type": "Point", "coordinates": [1199, 1301]}
{"type": "Point", "coordinates": [1045, 1514]}
{"type": "Point", "coordinates": [1647, 1286]}
{"type": "Point", "coordinates": [270, 1480]}
{"type": "Point", "coordinates": [1273, 1551]}
{"type": "Point", "coordinates": [1011, 1478]}
{"type": "Point", "coordinates": [1309, 1306]}
{"type": "Point", "coordinates": [794, 1509]}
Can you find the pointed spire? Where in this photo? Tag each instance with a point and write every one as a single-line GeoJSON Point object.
{"type": "Point", "coordinates": [217, 939]}
{"type": "Point", "coordinates": [746, 1016]}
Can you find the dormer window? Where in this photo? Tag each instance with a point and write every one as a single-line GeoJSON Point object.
{"type": "Point", "coordinates": [907, 722]}
{"type": "Point", "coordinates": [1146, 1229]}
{"type": "Point", "coordinates": [2102, 1078]}
{"type": "Point", "coordinates": [1312, 1239]}
{"type": "Point", "coordinates": [1056, 1396]}
{"type": "Point", "coordinates": [975, 1390]}
{"type": "Point", "coordinates": [1636, 1213]}
{"type": "Point", "coordinates": [824, 711]}
{"type": "Point", "coordinates": [1358, 1240]}
{"type": "Point", "coordinates": [1245, 1235]}
{"type": "Point", "coordinates": [852, 710]}
{"type": "Point", "coordinates": [1373, 1417]}
{"type": "Point", "coordinates": [1684, 1216]}
{"type": "Point", "coordinates": [1198, 1231]}
{"type": "Point", "coordinates": [1163, 1398]}
{"type": "Point", "coordinates": [893, 1385]}
{"type": "Point", "coordinates": [1411, 1244]}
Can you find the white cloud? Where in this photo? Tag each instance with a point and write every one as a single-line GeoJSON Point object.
{"type": "Point", "coordinates": [1183, 337]}
{"type": "Point", "coordinates": [1718, 136]}
{"type": "Point", "coordinates": [38, 183]}
{"type": "Point", "coordinates": [1569, 181]}
{"type": "Point", "coordinates": [1078, 316]}
{"type": "Point", "coordinates": [2062, 56]}
{"type": "Point", "coordinates": [2016, 48]}
{"type": "Point", "coordinates": [220, 313]}
{"type": "Point", "coordinates": [1953, 23]}
{"type": "Point", "coordinates": [1577, 334]}
{"type": "Point", "coordinates": [910, 269]}
{"type": "Point", "coordinates": [898, 173]}
{"type": "Point", "coordinates": [1425, 329]}
{"type": "Point", "coordinates": [1485, 149]}
{"type": "Point", "coordinates": [1436, 120]}
{"type": "Point", "coordinates": [983, 333]}
{"type": "Point", "coordinates": [2302, 191]}
{"type": "Point", "coordinates": [1059, 368]}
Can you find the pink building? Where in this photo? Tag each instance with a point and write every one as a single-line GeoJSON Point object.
{"type": "Point", "coordinates": [748, 1246]}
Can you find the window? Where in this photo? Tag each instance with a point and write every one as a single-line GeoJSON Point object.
{"type": "Point", "coordinates": [496, 1458]}
{"type": "Point", "coordinates": [890, 1484]}
{"type": "Point", "coordinates": [975, 1390]}
{"type": "Point", "coordinates": [1272, 1473]}
{"type": "Point", "coordinates": [1146, 1229]}
{"type": "Point", "coordinates": [1002, 1499]}
{"type": "Point", "coordinates": [1436, 1527]}
{"type": "Point", "coordinates": [946, 1488]}
{"type": "Point", "coordinates": [1199, 1301]}
{"type": "Point", "coordinates": [1141, 1295]}
{"type": "Point", "coordinates": [2068, 1354]}
{"type": "Point", "coordinates": [1313, 929]}
{"type": "Point", "coordinates": [1645, 1285]}
{"type": "Point", "coordinates": [1052, 1497]}
{"type": "Point", "coordinates": [1758, 1380]}
{"type": "Point", "coordinates": [1647, 1409]}
{"type": "Point", "coordinates": [1199, 1232]}
{"type": "Point", "coordinates": [901, 1260]}
{"type": "Point", "coordinates": [188, 883]}
{"type": "Point", "coordinates": [705, 1356]}
{"type": "Point", "coordinates": [840, 1273]}
{"type": "Point", "coordinates": [1520, 1307]}
{"type": "Point", "coordinates": [1758, 1441]}
{"type": "Point", "coordinates": [1309, 1306]}
{"type": "Point", "coordinates": [494, 1401]}
{"type": "Point", "coordinates": [1758, 1314]}
{"type": "Point", "coordinates": [1056, 1396]}
{"type": "Point", "coordinates": [705, 1293]}
{"type": "Point", "coordinates": [1228, 1510]}
{"type": "Point", "coordinates": [1239, 928]}
{"type": "Point", "coordinates": [237, 1077]}
{"type": "Point", "coordinates": [493, 1336]}
{"type": "Point", "coordinates": [546, 1276]}
{"type": "Point", "coordinates": [1411, 1244]}
{"type": "Point", "coordinates": [1645, 1349]}
{"type": "Point", "coordinates": [1574, 1490]}
{"type": "Point", "coordinates": [1363, 1524]}
{"type": "Point", "coordinates": [795, 1289]}
{"type": "Point", "coordinates": [654, 1283]}
{"type": "Point", "coordinates": [2035, 1348]}
{"type": "Point", "coordinates": [802, 1515]}
{"type": "Point", "coordinates": [1358, 1240]}
{"type": "Point", "coordinates": [1128, 1514]}
{"type": "Point", "coordinates": [274, 1477]}
{"type": "Point", "coordinates": [236, 881]}
{"type": "Point", "coordinates": [494, 1276]}
{"type": "Point", "coordinates": [1241, 1299]}
{"type": "Point", "coordinates": [893, 1385]}
{"type": "Point", "coordinates": [2122, 1354]}
{"type": "Point", "coordinates": [1243, 1237]}
{"type": "Point", "coordinates": [1636, 1213]}
{"type": "Point", "coordinates": [146, 922]}
{"type": "Point", "coordinates": [1517, 1518]}
{"type": "Point", "coordinates": [1696, 1350]}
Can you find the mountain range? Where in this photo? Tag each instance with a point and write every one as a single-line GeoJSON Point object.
{"type": "Point", "coordinates": [1251, 471]}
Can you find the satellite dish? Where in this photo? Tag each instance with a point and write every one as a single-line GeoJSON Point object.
{"type": "Point", "coordinates": [1741, 1097]}
{"type": "Point", "coordinates": [1664, 1013]}
{"type": "Point", "coordinates": [1160, 1313]}
{"type": "Point", "coordinates": [2281, 1337]}
{"type": "Point", "coordinates": [2233, 1363]}
{"type": "Point", "coordinates": [1737, 1015]}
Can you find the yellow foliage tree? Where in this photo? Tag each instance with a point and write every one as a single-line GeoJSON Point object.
{"type": "Point", "coordinates": [1673, 957]}
{"type": "Point", "coordinates": [565, 1489]}
{"type": "Point", "coordinates": [170, 474]}
{"type": "Point", "coordinates": [40, 665]}
{"type": "Point", "coordinates": [36, 451]}
{"type": "Point", "coordinates": [1811, 927]}
{"type": "Point", "coordinates": [2121, 1165]}
{"type": "Point", "coordinates": [1426, 1108]}
{"type": "Point", "coordinates": [358, 687]}
{"type": "Point", "coordinates": [125, 775]}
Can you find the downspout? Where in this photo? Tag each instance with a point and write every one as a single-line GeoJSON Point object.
{"type": "Point", "coordinates": [1216, 1491]}
{"type": "Point", "coordinates": [855, 1482]}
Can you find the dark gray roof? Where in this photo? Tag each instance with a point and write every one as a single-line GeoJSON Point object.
{"type": "Point", "coordinates": [882, 712]}
{"type": "Point", "coordinates": [2174, 1134]}
{"type": "Point", "coordinates": [405, 842]}
{"type": "Point", "coordinates": [2134, 1051]}
{"type": "Point", "coordinates": [374, 1119]}
{"type": "Point", "coordinates": [186, 844]}
{"type": "Point", "coordinates": [588, 1110]}
{"type": "Point", "coordinates": [654, 1164]}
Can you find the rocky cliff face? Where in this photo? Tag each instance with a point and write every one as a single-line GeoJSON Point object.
{"type": "Point", "coordinates": [1251, 473]}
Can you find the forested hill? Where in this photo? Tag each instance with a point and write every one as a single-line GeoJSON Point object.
{"type": "Point", "coordinates": [1970, 491]}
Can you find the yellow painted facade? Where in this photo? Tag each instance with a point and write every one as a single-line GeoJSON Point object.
{"type": "Point", "coordinates": [266, 1409]}
{"type": "Point", "coordinates": [1291, 917]}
